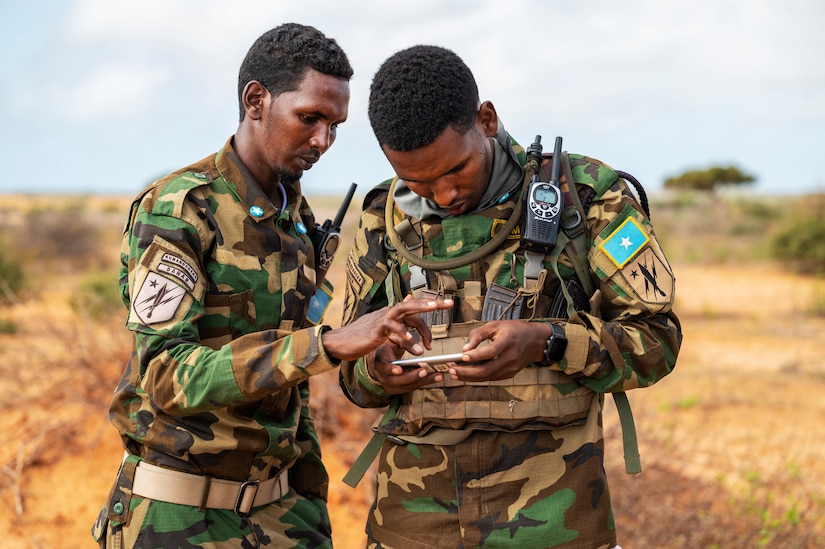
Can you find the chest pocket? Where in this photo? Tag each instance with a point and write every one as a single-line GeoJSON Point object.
{"type": "Point", "coordinates": [225, 317]}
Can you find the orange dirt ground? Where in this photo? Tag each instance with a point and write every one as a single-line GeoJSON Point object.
{"type": "Point", "coordinates": [744, 403]}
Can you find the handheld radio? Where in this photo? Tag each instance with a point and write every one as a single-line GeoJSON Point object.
{"type": "Point", "coordinates": [326, 238]}
{"type": "Point", "coordinates": [544, 202]}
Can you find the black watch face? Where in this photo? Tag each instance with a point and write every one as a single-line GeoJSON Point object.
{"type": "Point", "coordinates": [556, 345]}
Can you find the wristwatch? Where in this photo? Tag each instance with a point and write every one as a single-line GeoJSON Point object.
{"type": "Point", "coordinates": [556, 345]}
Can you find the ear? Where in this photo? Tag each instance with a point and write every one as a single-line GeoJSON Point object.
{"type": "Point", "coordinates": [488, 119]}
{"type": "Point", "coordinates": [254, 99]}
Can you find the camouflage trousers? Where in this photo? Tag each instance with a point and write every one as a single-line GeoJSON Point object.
{"type": "Point", "coordinates": [530, 489]}
{"type": "Point", "coordinates": [292, 522]}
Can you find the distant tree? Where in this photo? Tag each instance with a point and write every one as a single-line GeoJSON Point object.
{"type": "Point", "coordinates": [709, 179]}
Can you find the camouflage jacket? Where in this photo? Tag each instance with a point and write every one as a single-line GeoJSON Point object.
{"type": "Point", "coordinates": [629, 338]}
{"type": "Point", "coordinates": [217, 281]}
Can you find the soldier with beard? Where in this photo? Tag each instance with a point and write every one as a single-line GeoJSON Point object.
{"type": "Point", "coordinates": [218, 273]}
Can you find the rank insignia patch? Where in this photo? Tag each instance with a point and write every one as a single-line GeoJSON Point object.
{"type": "Point", "coordinates": [625, 242]}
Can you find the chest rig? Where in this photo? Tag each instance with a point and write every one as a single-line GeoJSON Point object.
{"type": "Point", "coordinates": [478, 260]}
{"type": "Point", "coordinates": [490, 276]}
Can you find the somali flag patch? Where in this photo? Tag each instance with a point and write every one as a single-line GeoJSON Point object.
{"type": "Point", "coordinates": [625, 242]}
{"type": "Point", "coordinates": [319, 303]}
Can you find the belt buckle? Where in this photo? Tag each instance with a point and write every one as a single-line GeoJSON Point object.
{"type": "Point", "coordinates": [241, 496]}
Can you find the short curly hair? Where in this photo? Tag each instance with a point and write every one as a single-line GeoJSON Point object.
{"type": "Point", "coordinates": [417, 94]}
{"type": "Point", "coordinates": [279, 58]}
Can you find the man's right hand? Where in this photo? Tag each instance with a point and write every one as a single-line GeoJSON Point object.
{"type": "Point", "coordinates": [393, 378]}
{"type": "Point", "coordinates": [392, 323]}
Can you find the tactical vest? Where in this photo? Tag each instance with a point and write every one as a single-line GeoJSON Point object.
{"type": "Point", "coordinates": [536, 397]}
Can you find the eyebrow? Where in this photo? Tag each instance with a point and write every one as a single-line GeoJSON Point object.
{"type": "Point", "coordinates": [457, 168]}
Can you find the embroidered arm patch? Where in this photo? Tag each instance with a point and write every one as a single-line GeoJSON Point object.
{"type": "Point", "coordinates": [166, 283]}
{"type": "Point", "coordinates": [631, 261]}
{"type": "Point", "coordinates": [625, 242]}
{"type": "Point", "coordinates": [158, 299]}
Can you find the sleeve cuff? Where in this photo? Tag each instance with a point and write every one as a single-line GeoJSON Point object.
{"type": "Point", "coordinates": [320, 361]}
{"type": "Point", "coordinates": [578, 345]}
{"type": "Point", "coordinates": [366, 380]}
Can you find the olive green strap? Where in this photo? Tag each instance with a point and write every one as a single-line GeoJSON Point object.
{"type": "Point", "coordinates": [632, 460]}
{"type": "Point", "coordinates": [364, 460]}
{"type": "Point", "coordinates": [370, 451]}
{"type": "Point", "coordinates": [554, 264]}
{"type": "Point", "coordinates": [392, 283]}
{"type": "Point", "coordinates": [578, 238]}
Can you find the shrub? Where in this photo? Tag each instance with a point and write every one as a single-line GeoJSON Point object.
{"type": "Point", "coordinates": [7, 327]}
{"type": "Point", "coordinates": [11, 274]}
{"type": "Point", "coordinates": [61, 235]}
{"type": "Point", "coordinates": [800, 240]}
{"type": "Point", "coordinates": [98, 295]}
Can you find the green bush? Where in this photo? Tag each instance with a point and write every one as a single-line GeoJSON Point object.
{"type": "Point", "coordinates": [11, 274]}
{"type": "Point", "coordinates": [98, 295]}
{"type": "Point", "coordinates": [800, 239]}
{"type": "Point", "coordinates": [7, 327]}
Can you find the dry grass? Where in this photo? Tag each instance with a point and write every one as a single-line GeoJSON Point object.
{"type": "Point", "coordinates": [731, 442]}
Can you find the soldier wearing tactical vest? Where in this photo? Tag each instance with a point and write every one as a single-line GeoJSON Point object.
{"type": "Point", "coordinates": [218, 274]}
{"type": "Point", "coordinates": [503, 445]}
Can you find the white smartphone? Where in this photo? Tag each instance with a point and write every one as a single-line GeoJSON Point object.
{"type": "Point", "coordinates": [427, 360]}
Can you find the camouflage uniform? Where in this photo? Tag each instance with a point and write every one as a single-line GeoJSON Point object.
{"type": "Point", "coordinates": [517, 461]}
{"type": "Point", "coordinates": [217, 281]}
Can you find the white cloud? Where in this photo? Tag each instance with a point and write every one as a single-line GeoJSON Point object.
{"type": "Point", "coordinates": [670, 82]}
{"type": "Point", "coordinates": [111, 93]}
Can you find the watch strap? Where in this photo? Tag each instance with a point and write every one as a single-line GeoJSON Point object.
{"type": "Point", "coordinates": [556, 345]}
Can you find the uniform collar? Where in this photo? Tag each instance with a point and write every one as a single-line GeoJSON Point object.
{"type": "Point", "coordinates": [246, 188]}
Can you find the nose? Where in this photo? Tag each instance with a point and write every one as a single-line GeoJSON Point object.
{"type": "Point", "coordinates": [443, 193]}
{"type": "Point", "coordinates": [322, 138]}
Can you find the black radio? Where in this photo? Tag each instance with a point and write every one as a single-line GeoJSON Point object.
{"type": "Point", "coordinates": [544, 202]}
{"type": "Point", "coordinates": [326, 238]}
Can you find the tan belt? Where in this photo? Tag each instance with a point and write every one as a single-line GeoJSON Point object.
{"type": "Point", "coordinates": [206, 492]}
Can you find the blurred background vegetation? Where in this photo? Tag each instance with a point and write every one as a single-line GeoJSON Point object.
{"type": "Point", "coordinates": [713, 223]}
{"type": "Point", "coordinates": [60, 308]}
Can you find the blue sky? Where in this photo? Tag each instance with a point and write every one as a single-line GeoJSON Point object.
{"type": "Point", "coordinates": [102, 96]}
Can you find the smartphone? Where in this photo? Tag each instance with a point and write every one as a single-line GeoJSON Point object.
{"type": "Point", "coordinates": [428, 360]}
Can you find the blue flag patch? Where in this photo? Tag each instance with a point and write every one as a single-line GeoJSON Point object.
{"type": "Point", "coordinates": [625, 242]}
{"type": "Point", "coordinates": [319, 303]}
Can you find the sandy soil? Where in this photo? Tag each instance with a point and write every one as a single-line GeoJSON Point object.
{"type": "Point", "coordinates": [745, 403]}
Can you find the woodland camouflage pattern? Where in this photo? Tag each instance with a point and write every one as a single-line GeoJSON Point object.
{"type": "Point", "coordinates": [531, 480]}
{"type": "Point", "coordinates": [218, 281]}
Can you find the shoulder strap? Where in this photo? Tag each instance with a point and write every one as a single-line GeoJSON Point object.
{"type": "Point", "coordinates": [577, 233]}
{"type": "Point", "coordinates": [576, 246]}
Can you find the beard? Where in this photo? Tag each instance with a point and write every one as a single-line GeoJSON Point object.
{"type": "Point", "coordinates": [289, 177]}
